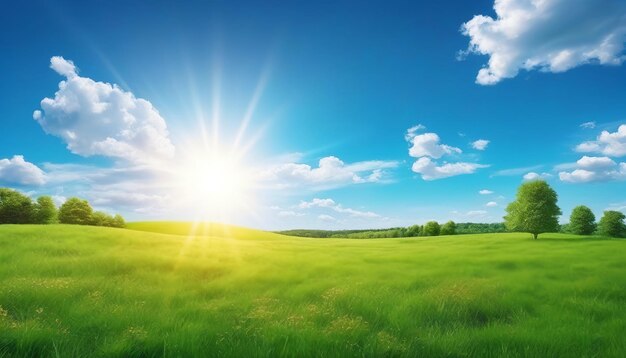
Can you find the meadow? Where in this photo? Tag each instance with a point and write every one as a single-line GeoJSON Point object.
{"type": "Point", "coordinates": [155, 290]}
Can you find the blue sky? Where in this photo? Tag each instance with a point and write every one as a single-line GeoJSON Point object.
{"type": "Point", "coordinates": [293, 84]}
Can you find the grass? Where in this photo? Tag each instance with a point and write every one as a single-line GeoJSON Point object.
{"type": "Point", "coordinates": [88, 291]}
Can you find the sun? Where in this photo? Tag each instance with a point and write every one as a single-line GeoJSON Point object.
{"type": "Point", "coordinates": [216, 185]}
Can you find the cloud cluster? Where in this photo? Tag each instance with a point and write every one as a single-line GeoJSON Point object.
{"type": "Point", "coordinates": [548, 35]}
{"type": "Point", "coordinates": [331, 172]}
{"type": "Point", "coordinates": [18, 171]}
{"type": "Point", "coordinates": [599, 168]}
{"type": "Point", "coordinates": [426, 147]}
{"type": "Point", "coordinates": [607, 143]}
{"type": "Point", "coordinates": [594, 169]}
{"type": "Point", "coordinates": [427, 144]}
{"type": "Point", "coordinates": [97, 118]}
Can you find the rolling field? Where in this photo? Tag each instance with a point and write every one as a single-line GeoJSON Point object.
{"type": "Point", "coordinates": [153, 290]}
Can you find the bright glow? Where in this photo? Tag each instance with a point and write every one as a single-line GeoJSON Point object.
{"type": "Point", "coordinates": [216, 185]}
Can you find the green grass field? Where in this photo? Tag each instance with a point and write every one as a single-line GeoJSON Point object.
{"type": "Point", "coordinates": [90, 291]}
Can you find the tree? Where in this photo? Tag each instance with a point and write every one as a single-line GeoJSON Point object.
{"type": "Point", "coordinates": [15, 207]}
{"type": "Point", "coordinates": [612, 224]}
{"type": "Point", "coordinates": [582, 221]}
{"type": "Point", "coordinates": [76, 211]}
{"type": "Point", "coordinates": [413, 231]}
{"type": "Point", "coordinates": [534, 210]}
{"type": "Point", "coordinates": [118, 221]}
{"type": "Point", "coordinates": [448, 228]}
{"type": "Point", "coordinates": [431, 228]}
{"type": "Point", "coordinates": [45, 210]}
{"type": "Point", "coordinates": [98, 218]}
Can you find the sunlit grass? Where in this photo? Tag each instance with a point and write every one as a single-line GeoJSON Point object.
{"type": "Point", "coordinates": [87, 291]}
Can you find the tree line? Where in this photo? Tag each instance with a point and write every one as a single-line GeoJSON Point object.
{"type": "Point", "coordinates": [534, 210]}
{"type": "Point", "coordinates": [17, 208]}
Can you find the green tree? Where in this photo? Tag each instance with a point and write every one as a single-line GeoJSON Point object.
{"type": "Point", "coordinates": [413, 231]}
{"type": "Point", "coordinates": [582, 221]}
{"type": "Point", "coordinates": [448, 228]}
{"type": "Point", "coordinates": [98, 218]}
{"type": "Point", "coordinates": [612, 224]}
{"type": "Point", "coordinates": [431, 228]}
{"type": "Point", "coordinates": [15, 207]}
{"type": "Point", "coordinates": [45, 210]}
{"type": "Point", "coordinates": [118, 221]}
{"type": "Point", "coordinates": [534, 210]}
{"type": "Point", "coordinates": [76, 211]}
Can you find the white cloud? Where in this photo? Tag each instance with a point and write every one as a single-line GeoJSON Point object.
{"type": "Point", "coordinates": [485, 192]}
{"type": "Point", "coordinates": [427, 144]}
{"type": "Point", "coordinates": [595, 169]}
{"type": "Point", "coordinates": [331, 204]}
{"type": "Point", "coordinates": [63, 67]}
{"type": "Point", "coordinates": [491, 204]}
{"type": "Point", "coordinates": [97, 118]}
{"type": "Point", "coordinates": [18, 171]}
{"type": "Point", "coordinates": [480, 144]}
{"type": "Point", "coordinates": [412, 132]}
{"type": "Point", "coordinates": [328, 218]}
{"type": "Point", "coordinates": [588, 125]}
{"type": "Point", "coordinates": [535, 176]}
{"type": "Point", "coordinates": [548, 35]}
{"type": "Point", "coordinates": [331, 172]}
{"type": "Point", "coordinates": [430, 170]}
{"type": "Point", "coordinates": [595, 163]}
{"type": "Point", "coordinates": [607, 143]}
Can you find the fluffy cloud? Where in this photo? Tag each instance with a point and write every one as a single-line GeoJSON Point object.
{"type": "Point", "coordinates": [491, 204]}
{"type": "Point", "coordinates": [97, 118]}
{"type": "Point", "coordinates": [480, 144]}
{"type": "Point", "coordinates": [595, 169]}
{"type": "Point", "coordinates": [427, 144]}
{"type": "Point", "coordinates": [607, 143]}
{"type": "Point", "coordinates": [430, 170]}
{"type": "Point", "coordinates": [535, 176]}
{"type": "Point", "coordinates": [18, 171]}
{"type": "Point", "coordinates": [485, 192]}
{"type": "Point", "coordinates": [331, 172]}
{"type": "Point", "coordinates": [331, 204]}
{"type": "Point", "coordinates": [412, 132]}
{"type": "Point", "coordinates": [548, 35]}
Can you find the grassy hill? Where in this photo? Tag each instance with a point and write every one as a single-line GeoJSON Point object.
{"type": "Point", "coordinates": [89, 291]}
